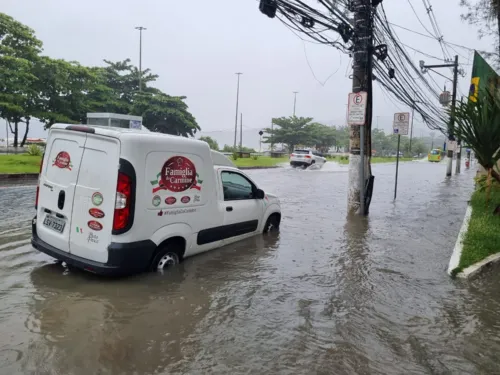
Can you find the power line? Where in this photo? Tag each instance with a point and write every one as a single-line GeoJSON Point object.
{"type": "Point", "coordinates": [430, 37]}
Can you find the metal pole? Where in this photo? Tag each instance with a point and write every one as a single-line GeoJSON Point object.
{"type": "Point", "coordinates": [411, 128]}
{"type": "Point", "coordinates": [452, 117]}
{"type": "Point", "coordinates": [237, 102]}
{"type": "Point", "coordinates": [294, 101]}
{"type": "Point", "coordinates": [260, 145]}
{"type": "Point", "coordinates": [397, 169]}
{"type": "Point", "coordinates": [272, 137]}
{"type": "Point", "coordinates": [241, 132]}
{"type": "Point", "coordinates": [140, 28]}
{"type": "Point", "coordinates": [362, 171]}
{"type": "Point", "coordinates": [6, 136]}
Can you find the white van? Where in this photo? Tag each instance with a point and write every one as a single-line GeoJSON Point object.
{"type": "Point", "coordinates": [115, 201]}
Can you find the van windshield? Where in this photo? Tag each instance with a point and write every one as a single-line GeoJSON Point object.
{"type": "Point", "coordinates": [434, 152]}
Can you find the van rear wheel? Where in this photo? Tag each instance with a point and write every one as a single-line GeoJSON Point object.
{"type": "Point", "coordinates": [165, 259]}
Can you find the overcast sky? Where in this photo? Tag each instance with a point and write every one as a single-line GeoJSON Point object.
{"type": "Point", "coordinates": [196, 47]}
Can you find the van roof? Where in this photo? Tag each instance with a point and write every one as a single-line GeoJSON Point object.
{"type": "Point", "coordinates": [147, 136]}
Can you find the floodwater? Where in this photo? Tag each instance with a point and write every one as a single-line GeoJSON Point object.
{"type": "Point", "coordinates": [326, 296]}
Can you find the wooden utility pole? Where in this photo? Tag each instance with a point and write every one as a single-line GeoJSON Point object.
{"type": "Point", "coordinates": [359, 165]}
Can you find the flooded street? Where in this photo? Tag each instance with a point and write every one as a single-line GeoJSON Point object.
{"type": "Point", "coordinates": [325, 296]}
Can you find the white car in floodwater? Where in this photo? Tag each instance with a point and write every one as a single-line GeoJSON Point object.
{"type": "Point", "coordinates": [306, 158]}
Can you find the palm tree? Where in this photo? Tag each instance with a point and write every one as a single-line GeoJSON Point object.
{"type": "Point", "coordinates": [478, 125]}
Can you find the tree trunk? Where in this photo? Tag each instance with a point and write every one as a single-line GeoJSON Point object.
{"type": "Point", "coordinates": [16, 132]}
{"type": "Point", "coordinates": [488, 187]}
{"type": "Point", "coordinates": [26, 132]}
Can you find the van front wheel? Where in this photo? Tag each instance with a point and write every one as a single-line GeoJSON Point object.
{"type": "Point", "coordinates": [165, 259]}
{"type": "Point", "coordinates": [272, 224]}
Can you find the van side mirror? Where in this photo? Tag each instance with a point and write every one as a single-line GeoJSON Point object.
{"type": "Point", "coordinates": [259, 194]}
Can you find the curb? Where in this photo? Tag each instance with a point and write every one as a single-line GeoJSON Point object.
{"type": "Point", "coordinates": [18, 177]}
{"type": "Point", "coordinates": [459, 244]}
{"type": "Point", "coordinates": [478, 267]}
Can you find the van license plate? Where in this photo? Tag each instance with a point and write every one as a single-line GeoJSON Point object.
{"type": "Point", "coordinates": [54, 223]}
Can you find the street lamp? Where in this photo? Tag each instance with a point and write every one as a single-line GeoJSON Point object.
{"type": "Point", "coordinates": [237, 102]}
{"type": "Point", "coordinates": [424, 68]}
{"type": "Point", "coordinates": [140, 28]}
{"type": "Point", "coordinates": [294, 101]}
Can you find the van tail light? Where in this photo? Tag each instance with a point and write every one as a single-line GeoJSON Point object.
{"type": "Point", "coordinates": [38, 184]}
{"type": "Point", "coordinates": [308, 156]}
{"type": "Point", "coordinates": [439, 157]}
{"type": "Point", "coordinates": [292, 155]}
{"type": "Point", "coordinates": [122, 202]}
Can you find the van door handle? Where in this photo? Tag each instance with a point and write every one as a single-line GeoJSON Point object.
{"type": "Point", "coordinates": [229, 208]}
{"type": "Point", "coordinates": [61, 199]}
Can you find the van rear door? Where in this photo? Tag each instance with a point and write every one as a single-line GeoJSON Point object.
{"type": "Point", "coordinates": [95, 194]}
{"type": "Point", "coordinates": [57, 186]}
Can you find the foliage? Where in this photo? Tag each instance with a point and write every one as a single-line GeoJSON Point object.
{"type": "Point", "coordinates": [261, 161]}
{"type": "Point", "coordinates": [482, 237]}
{"type": "Point", "coordinates": [54, 90]}
{"type": "Point", "coordinates": [19, 49]}
{"type": "Point", "coordinates": [485, 14]}
{"type": "Point", "coordinates": [20, 163]}
{"type": "Point", "coordinates": [322, 137]}
{"type": "Point", "coordinates": [477, 124]}
{"type": "Point", "coordinates": [482, 183]}
{"type": "Point", "coordinates": [165, 114]}
{"type": "Point", "coordinates": [212, 143]}
{"type": "Point", "coordinates": [290, 131]}
{"type": "Point", "coordinates": [34, 150]}
{"type": "Point", "coordinates": [62, 88]}
{"type": "Point", "coordinates": [232, 149]}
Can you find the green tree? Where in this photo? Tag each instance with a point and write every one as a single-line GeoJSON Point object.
{"type": "Point", "coordinates": [62, 89]}
{"type": "Point", "coordinates": [477, 124]}
{"type": "Point", "coordinates": [232, 149]}
{"type": "Point", "coordinates": [212, 143]}
{"type": "Point", "coordinates": [343, 136]}
{"type": "Point", "coordinates": [322, 137]}
{"type": "Point", "coordinates": [19, 50]}
{"type": "Point", "coordinates": [484, 14]}
{"type": "Point", "coordinates": [290, 131]}
{"type": "Point", "coordinates": [164, 113]}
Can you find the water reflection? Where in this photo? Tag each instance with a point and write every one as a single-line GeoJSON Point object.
{"type": "Point", "coordinates": [139, 325]}
{"type": "Point", "coordinates": [326, 296]}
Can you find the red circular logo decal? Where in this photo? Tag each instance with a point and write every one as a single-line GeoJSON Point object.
{"type": "Point", "coordinates": [62, 160]}
{"type": "Point", "coordinates": [94, 225]}
{"type": "Point", "coordinates": [178, 174]}
{"type": "Point", "coordinates": [170, 200]}
{"type": "Point", "coordinates": [185, 199]}
{"type": "Point", "coordinates": [97, 213]}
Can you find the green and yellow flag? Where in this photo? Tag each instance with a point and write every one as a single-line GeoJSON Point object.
{"type": "Point", "coordinates": [483, 77]}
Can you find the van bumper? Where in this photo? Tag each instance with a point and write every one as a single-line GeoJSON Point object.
{"type": "Point", "coordinates": [123, 258]}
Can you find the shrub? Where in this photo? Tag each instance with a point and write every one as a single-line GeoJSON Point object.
{"type": "Point", "coordinates": [255, 157]}
{"type": "Point", "coordinates": [235, 156]}
{"type": "Point", "coordinates": [34, 150]}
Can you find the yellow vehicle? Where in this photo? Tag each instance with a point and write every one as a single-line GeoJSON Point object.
{"type": "Point", "coordinates": [434, 155]}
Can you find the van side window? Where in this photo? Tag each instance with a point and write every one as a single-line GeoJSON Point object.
{"type": "Point", "coordinates": [236, 186]}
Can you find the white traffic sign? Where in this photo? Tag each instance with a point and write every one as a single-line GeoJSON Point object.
{"type": "Point", "coordinates": [401, 123]}
{"type": "Point", "coordinates": [357, 108]}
